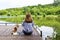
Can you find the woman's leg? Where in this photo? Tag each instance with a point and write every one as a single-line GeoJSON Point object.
{"type": "Point", "coordinates": [27, 33]}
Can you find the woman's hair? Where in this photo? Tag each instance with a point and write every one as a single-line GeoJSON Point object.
{"type": "Point", "coordinates": [28, 18]}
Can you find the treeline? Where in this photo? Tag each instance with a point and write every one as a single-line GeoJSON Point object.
{"type": "Point", "coordinates": [51, 9]}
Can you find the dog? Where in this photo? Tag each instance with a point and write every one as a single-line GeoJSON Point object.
{"type": "Point", "coordinates": [14, 32]}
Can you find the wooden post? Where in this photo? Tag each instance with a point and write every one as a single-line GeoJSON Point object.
{"type": "Point", "coordinates": [6, 24]}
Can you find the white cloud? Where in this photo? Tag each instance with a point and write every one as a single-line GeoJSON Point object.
{"type": "Point", "coordinates": [20, 3]}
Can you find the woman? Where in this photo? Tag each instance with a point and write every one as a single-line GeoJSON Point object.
{"type": "Point", "coordinates": [28, 25]}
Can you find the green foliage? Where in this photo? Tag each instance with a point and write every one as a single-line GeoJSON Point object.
{"type": "Point", "coordinates": [59, 15]}
{"type": "Point", "coordinates": [39, 20]}
{"type": "Point", "coordinates": [50, 9]}
{"type": "Point", "coordinates": [38, 11]}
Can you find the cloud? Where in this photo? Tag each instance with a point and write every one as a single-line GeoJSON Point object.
{"type": "Point", "coordinates": [20, 3]}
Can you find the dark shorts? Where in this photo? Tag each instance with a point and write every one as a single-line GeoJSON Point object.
{"type": "Point", "coordinates": [27, 33]}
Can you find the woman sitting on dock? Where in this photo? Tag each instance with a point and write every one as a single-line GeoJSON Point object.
{"type": "Point", "coordinates": [28, 25]}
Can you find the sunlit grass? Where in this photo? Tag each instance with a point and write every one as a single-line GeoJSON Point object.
{"type": "Point", "coordinates": [47, 21]}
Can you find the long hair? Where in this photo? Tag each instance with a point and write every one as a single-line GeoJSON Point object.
{"type": "Point", "coordinates": [28, 18]}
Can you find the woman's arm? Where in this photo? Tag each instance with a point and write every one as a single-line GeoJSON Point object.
{"type": "Point", "coordinates": [23, 24]}
{"type": "Point", "coordinates": [33, 24]}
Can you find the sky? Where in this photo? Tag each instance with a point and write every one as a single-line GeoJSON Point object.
{"type": "Point", "coordinates": [21, 3]}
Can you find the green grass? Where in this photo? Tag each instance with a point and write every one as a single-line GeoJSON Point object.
{"type": "Point", "coordinates": [50, 21]}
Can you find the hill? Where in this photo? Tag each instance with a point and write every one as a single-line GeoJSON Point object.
{"type": "Point", "coordinates": [50, 9]}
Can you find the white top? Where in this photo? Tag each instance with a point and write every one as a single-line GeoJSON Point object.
{"type": "Point", "coordinates": [28, 27]}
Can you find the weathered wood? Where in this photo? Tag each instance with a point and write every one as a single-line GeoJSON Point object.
{"type": "Point", "coordinates": [5, 34]}
{"type": "Point", "coordinates": [20, 37]}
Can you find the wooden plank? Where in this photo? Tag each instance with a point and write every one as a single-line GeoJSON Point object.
{"type": "Point", "coordinates": [5, 34]}
{"type": "Point", "coordinates": [6, 30]}
{"type": "Point", "coordinates": [20, 38]}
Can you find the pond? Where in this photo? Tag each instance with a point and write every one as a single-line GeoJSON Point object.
{"type": "Point", "coordinates": [47, 32]}
{"type": "Point", "coordinates": [7, 23]}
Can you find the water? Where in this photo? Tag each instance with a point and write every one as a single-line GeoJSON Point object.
{"type": "Point", "coordinates": [7, 23]}
{"type": "Point", "coordinates": [46, 32]}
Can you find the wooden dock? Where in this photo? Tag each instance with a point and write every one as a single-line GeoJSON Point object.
{"type": "Point", "coordinates": [5, 34]}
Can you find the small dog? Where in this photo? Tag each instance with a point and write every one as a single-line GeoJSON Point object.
{"type": "Point", "coordinates": [14, 32]}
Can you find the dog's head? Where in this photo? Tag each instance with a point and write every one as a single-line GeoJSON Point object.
{"type": "Point", "coordinates": [15, 29]}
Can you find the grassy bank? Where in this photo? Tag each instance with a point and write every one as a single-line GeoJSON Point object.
{"type": "Point", "coordinates": [47, 21]}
